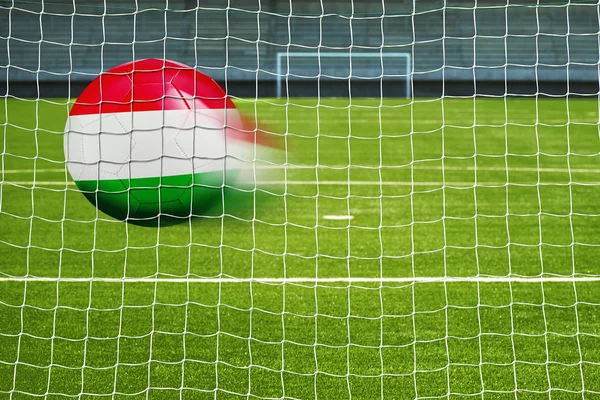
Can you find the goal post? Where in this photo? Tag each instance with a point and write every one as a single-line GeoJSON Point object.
{"type": "Point", "coordinates": [400, 69]}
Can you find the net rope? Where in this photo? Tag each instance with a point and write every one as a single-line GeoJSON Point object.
{"type": "Point", "coordinates": [440, 244]}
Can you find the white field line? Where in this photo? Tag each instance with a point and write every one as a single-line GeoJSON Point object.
{"type": "Point", "coordinates": [422, 167]}
{"type": "Point", "coordinates": [331, 183]}
{"type": "Point", "coordinates": [433, 168]}
{"type": "Point", "coordinates": [385, 183]}
{"type": "Point", "coordinates": [29, 171]}
{"type": "Point", "coordinates": [38, 183]}
{"type": "Point", "coordinates": [498, 122]}
{"type": "Point", "coordinates": [314, 183]}
{"type": "Point", "coordinates": [430, 279]}
{"type": "Point", "coordinates": [516, 169]}
{"type": "Point", "coordinates": [324, 182]}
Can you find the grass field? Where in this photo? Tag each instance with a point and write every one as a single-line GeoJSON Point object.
{"type": "Point", "coordinates": [275, 300]}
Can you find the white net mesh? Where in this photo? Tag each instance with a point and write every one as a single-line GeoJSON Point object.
{"type": "Point", "coordinates": [440, 245]}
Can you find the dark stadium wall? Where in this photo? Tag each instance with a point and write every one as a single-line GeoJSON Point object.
{"type": "Point", "coordinates": [453, 48]}
{"type": "Point", "coordinates": [247, 89]}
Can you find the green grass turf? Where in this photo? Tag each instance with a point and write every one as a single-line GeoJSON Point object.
{"type": "Point", "coordinates": [452, 187]}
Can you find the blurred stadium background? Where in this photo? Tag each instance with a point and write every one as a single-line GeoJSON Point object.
{"type": "Point", "coordinates": [443, 244]}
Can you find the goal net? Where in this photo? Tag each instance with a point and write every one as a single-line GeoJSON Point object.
{"type": "Point", "coordinates": [431, 230]}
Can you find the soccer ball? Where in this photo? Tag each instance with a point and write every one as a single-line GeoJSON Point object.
{"type": "Point", "coordinates": [156, 141]}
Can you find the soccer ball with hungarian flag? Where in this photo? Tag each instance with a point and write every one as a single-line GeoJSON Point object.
{"type": "Point", "coordinates": [157, 141]}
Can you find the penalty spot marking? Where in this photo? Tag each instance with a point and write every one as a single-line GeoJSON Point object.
{"type": "Point", "coordinates": [339, 217]}
{"type": "Point", "coordinates": [428, 279]}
